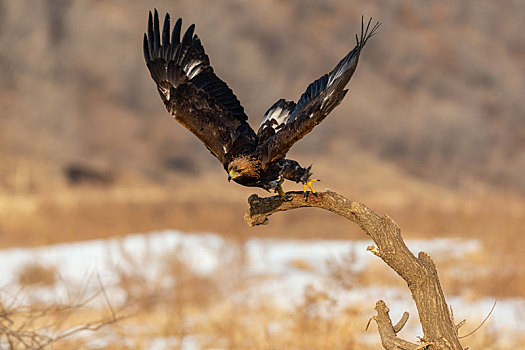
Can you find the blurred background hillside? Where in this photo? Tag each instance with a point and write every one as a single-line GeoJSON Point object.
{"type": "Point", "coordinates": [436, 107]}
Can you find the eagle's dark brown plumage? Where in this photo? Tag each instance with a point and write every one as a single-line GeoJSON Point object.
{"type": "Point", "coordinates": [206, 106]}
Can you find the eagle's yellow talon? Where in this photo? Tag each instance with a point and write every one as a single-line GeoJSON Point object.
{"type": "Point", "coordinates": [309, 184]}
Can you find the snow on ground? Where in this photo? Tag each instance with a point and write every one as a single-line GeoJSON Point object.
{"type": "Point", "coordinates": [82, 264]}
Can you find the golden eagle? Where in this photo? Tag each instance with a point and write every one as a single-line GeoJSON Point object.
{"type": "Point", "coordinates": [206, 106]}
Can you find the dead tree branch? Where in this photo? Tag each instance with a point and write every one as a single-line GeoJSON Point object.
{"type": "Point", "coordinates": [419, 272]}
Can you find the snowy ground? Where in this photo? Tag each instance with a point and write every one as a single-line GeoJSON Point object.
{"type": "Point", "coordinates": [83, 264]}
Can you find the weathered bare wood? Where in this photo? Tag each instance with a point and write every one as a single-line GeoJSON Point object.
{"type": "Point", "coordinates": [387, 332]}
{"type": "Point", "coordinates": [420, 273]}
{"type": "Point", "coordinates": [401, 323]}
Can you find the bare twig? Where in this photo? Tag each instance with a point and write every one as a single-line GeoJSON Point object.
{"type": "Point", "coordinates": [481, 324]}
{"type": "Point", "coordinates": [402, 322]}
{"type": "Point", "coordinates": [387, 332]}
{"type": "Point", "coordinates": [106, 298]}
{"type": "Point", "coordinates": [24, 327]}
{"type": "Point", "coordinates": [419, 272]}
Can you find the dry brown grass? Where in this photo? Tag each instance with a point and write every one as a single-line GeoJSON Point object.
{"type": "Point", "coordinates": [421, 209]}
{"type": "Point", "coordinates": [35, 274]}
{"type": "Point", "coordinates": [56, 326]}
{"type": "Point", "coordinates": [183, 305]}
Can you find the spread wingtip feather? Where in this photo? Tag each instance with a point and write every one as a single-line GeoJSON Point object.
{"type": "Point", "coordinates": [365, 34]}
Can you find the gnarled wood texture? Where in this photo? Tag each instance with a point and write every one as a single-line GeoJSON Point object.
{"type": "Point", "coordinates": [419, 272]}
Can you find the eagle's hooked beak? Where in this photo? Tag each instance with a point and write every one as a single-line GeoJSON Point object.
{"type": "Point", "coordinates": [232, 175]}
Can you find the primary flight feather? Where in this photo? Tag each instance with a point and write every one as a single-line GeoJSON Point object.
{"type": "Point", "coordinates": [205, 105]}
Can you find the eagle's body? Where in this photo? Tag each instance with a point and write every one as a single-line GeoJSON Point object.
{"type": "Point", "coordinates": [207, 107]}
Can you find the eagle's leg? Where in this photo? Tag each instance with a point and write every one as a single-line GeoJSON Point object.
{"type": "Point", "coordinates": [291, 170]}
{"type": "Point", "coordinates": [279, 189]}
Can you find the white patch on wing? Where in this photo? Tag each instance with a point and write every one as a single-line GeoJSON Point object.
{"type": "Point", "coordinates": [272, 114]}
{"type": "Point", "coordinates": [194, 73]}
{"type": "Point", "coordinates": [192, 69]}
{"type": "Point", "coordinates": [276, 118]}
{"type": "Point", "coordinates": [336, 75]}
{"type": "Point", "coordinates": [165, 92]}
{"type": "Point", "coordinates": [191, 65]}
{"type": "Point", "coordinates": [326, 99]}
{"type": "Point", "coordinates": [340, 69]}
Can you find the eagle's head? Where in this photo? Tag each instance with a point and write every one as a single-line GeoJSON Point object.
{"type": "Point", "coordinates": [244, 168]}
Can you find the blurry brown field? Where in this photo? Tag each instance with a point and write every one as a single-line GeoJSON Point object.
{"type": "Point", "coordinates": [205, 311]}
{"type": "Point", "coordinates": [432, 133]}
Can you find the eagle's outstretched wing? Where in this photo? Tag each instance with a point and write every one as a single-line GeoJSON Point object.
{"type": "Point", "coordinates": [192, 92]}
{"type": "Point", "coordinates": [285, 122]}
